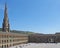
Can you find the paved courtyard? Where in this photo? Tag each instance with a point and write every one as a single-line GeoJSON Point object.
{"type": "Point", "coordinates": [38, 45]}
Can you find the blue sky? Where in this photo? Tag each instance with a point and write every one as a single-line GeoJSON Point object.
{"type": "Point", "coordinates": [42, 16]}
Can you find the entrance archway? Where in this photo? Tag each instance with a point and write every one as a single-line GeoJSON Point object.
{"type": "Point", "coordinates": [51, 40]}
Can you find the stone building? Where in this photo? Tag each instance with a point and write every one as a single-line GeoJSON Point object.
{"type": "Point", "coordinates": [8, 39]}
{"type": "Point", "coordinates": [45, 38]}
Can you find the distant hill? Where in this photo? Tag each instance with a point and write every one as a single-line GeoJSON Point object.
{"type": "Point", "coordinates": [21, 32]}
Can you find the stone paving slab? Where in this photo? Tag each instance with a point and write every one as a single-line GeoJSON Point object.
{"type": "Point", "coordinates": [38, 45]}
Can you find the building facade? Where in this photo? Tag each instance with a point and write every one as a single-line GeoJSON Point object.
{"type": "Point", "coordinates": [11, 39]}
{"type": "Point", "coordinates": [45, 38]}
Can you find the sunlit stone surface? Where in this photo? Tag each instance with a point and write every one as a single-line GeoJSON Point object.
{"type": "Point", "coordinates": [38, 45]}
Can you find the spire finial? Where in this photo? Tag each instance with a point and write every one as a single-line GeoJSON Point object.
{"type": "Point", "coordinates": [5, 4]}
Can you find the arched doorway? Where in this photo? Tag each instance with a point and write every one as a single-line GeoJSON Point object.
{"type": "Point", "coordinates": [51, 40]}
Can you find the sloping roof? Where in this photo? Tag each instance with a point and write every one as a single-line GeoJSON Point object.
{"type": "Point", "coordinates": [10, 33]}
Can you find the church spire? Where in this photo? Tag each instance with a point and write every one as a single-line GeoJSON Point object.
{"type": "Point", "coordinates": [5, 12]}
{"type": "Point", "coordinates": [6, 26]}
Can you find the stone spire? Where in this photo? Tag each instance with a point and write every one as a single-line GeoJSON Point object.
{"type": "Point", "coordinates": [5, 25]}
